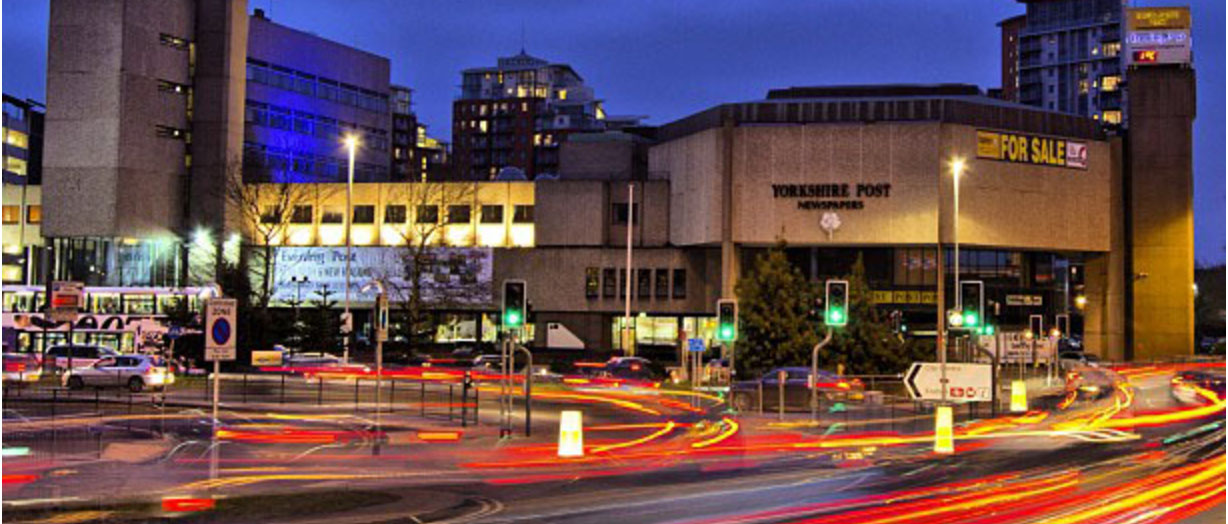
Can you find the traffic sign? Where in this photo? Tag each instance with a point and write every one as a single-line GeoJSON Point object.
{"type": "Point", "coordinates": [966, 382]}
{"type": "Point", "coordinates": [220, 329]}
{"type": "Point", "coordinates": [66, 299]}
{"type": "Point", "coordinates": [695, 344]}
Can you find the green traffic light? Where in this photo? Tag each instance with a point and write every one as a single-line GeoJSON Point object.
{"type": "Point", "coordinates": [726, 332]}
{"type": "Point", "coordinates": [836, 316]}
{"type": "Point", "coordinates": [970, 319]}
{"type": "Point", "coordinates": [512, 318]}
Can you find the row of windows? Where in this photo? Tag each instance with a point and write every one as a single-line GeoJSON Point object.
{"type": "Point", "coordinates": [606, 282]}
{"type": "Point", "coordinates": [12, 215]}
{"type": "Point", "coordinates": [277, 117]}
{"type": "Point", "coordinates": [317, 86]}
{"type": "Point", "coordinates": [399, 214]}
{"type": "Point", "coordinates": [258, 157]}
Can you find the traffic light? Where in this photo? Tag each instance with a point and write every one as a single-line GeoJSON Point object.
{"type": "Point", "coordinates": [727, 320]}
{"type": "Point", "coordinates": [1063, 325]}
{"type": "Point", "coordinates": [515, 298]}
{"type": "Point", "coordinates": [837, 312]}
{"type": "Point", "coordinates": [1036, 326]}
{"type": "Point", "coordinates": [972, 302]}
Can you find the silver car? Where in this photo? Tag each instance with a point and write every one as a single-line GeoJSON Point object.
{"type": "Point", "coordinates": [135, 372]}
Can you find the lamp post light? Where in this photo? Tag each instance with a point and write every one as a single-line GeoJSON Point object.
{"type": "Point", "coordinates": [298, 294]}
{"type": "Point", "coordinates": [347, 323]}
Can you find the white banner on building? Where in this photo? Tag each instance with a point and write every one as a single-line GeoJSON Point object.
{"type": "Point", "coordinates": [452, 275]}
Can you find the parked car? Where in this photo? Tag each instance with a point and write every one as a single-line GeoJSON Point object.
{"type": "Point", "coordinates": [1210, 379]}
{"type": "Point", "coordinates": [311, 360]}
{"type": "Point", "coordinates": [83, 356]}
{"type": "Point", "coordinates": [1069, 360]}
{"type": "Point", "coordinates": [135, 372]}
{"type": "Point", "coordinates": [1091, 382]}
{"type": "Point", "coordinates": [21, 368]}
{"type": "Point", "coordinates": [744, 395]}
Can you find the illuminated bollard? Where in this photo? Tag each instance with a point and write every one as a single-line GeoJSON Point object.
{"type": "Point", "coordinates": [944, 441]}
{"type": "Point", "coordinates": [571, 434]}
{"type": "Point", "coordinates": [1019, 396]}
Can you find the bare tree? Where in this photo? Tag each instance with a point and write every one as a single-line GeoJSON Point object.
{"type": "Point", "coordinates": [435, 274]}
{"type": "Point", "coordinates": [265, 211]}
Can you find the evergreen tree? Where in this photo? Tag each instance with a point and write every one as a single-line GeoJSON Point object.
{"type": "Point", "coordinates": [776, 328]}
{"type": "Point", "coordinates": [867, 345]}
{"type": "Point", "coordinates": [322, 330]}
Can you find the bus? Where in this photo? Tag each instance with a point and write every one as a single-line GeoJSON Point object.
{"type": "Point", "coordinates": [127, 319]}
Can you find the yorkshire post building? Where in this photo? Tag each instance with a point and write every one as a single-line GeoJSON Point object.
{"type": "Point", "coordinates": [836, 174]}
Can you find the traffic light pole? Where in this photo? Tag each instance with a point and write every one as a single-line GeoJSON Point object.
{"type": "Point", "coordinates": [814, 376]}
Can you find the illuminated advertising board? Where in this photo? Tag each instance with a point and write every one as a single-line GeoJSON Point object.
{"type": "Point", "coordinates": [1158, 35]}
{"type": "Point", "coordinates": [1031, 149]}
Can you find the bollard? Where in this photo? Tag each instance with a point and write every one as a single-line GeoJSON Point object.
{"type": "Point", "coordinates": [392, 396]}
{"type": "Point", "coordinates": [760, 397]}
{"type": "Point", "coordinates": [449, 401]}
{"type": "Point", "coordinates": [465, 401]}
{"type": "Point", "coordinates": [571, 434]}
{"type": "Point", "coordinates": [1019, 396]}
{"type": "Point", "coordinates": [422, 398]}
{"type": "Point", "coordinates": [943, 437]}
{"type": "Point", "coordinates": [477, 401]}
{"type": "Point", "coordinates": [355, 394]}
{"type": "Point", "coordinates": [245, 388]}
{"type": "Point", "coordinates": [320, 391]}
{"type": "Point", "coordinates": [283, 389]}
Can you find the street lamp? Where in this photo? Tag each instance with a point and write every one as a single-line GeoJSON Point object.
{"type": "Point", "coordinates": [351, 146]}
{"type": "Point", "coordinates": [957, 169]}
{"type": "Point", "coordinates": [956, 319]}
{"type": "Point", "coordinates": [298, 294]}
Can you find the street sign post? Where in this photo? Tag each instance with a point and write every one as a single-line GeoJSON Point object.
{"type": "Point", "coordinates": [966, 382]}
{"type": "Point", "coordinates": [220, 329]}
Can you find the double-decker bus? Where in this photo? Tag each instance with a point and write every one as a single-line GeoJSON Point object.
{"type": "Point", "coordinates": [127, 319]}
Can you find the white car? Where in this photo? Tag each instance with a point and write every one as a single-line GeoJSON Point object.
{"type": "Point", "coordinates": [135, 372]}
{"type": "Point", "coordinates": [83, 355]}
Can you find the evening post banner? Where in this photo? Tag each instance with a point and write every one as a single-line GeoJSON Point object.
{"type": "Point", "coordinates": [453, 275]}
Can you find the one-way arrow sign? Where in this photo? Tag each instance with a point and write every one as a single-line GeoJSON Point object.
{"type": "Point", "coordinates": [965, 382]}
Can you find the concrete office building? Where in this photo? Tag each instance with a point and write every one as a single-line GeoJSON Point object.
{"type": "Point", "coordinates": [154, 104]}
{"type": "Point", "coordinates": [1067, 55]}
{"type": "Point", "coordinates": [23, 178]}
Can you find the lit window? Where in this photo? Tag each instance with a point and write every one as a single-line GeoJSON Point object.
{"type": "Point", "coordinates": [1112, 117]}
{"type": "Point", "coordinates": [12, 214]}
{"type": "Point", "coordinates": [34, 215]}
{"type": "Point", "coordinates": [394, 214]}
{"type": "Point", "coordinates": [522, 215]}
{"type": "Point", "coordinates": [1109, 83]}
{"type": "Point", "coordinates": [592, 282]}
{"type": "Point", "coordinates": [15, 165]}
{"type": "Point", "coordinates": [492, 214]}
{"type": "Point", "coordinates": [333, 215]}
{"type": "Point", "coordinates": [1083, 87]}
{"type": "Point", "coordinates": [1112, 49]}
{"type": "Point", "coordinates": [364, 214]}
{"type": "Point", "coordinates": [301, 215]}
{"type": "Point", "coordinates": [482, 125]}
{"type": "Point", "coordinates": [428, 214]}
{"type": "Point", "coordinates": [458, 214]}
{"type": "Point", "coordinates": [13, 137]}
{"type": "Point", "coordinates": [562, 94]}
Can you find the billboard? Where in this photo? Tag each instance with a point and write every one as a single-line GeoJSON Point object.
{"type": "Point", "coordinates": [450, 276]}
{"type": "Point", "coordinates": [1031, 149]}
{"type": "Point", "coordinates": [1158, 35]}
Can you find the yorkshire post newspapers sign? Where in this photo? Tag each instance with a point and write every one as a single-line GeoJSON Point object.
{"type": "Point", "coordinates": [1031, 149]}
{"type": "Point", "coordinates": [452, 274]}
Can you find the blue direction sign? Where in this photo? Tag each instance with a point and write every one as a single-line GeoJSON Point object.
{"type": "Point", "coordinates": [174, 332]}
{"type": "Point", "coordinates": [695, 344]}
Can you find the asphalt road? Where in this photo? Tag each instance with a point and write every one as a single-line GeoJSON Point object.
{"type": "Point", "coordinates": [1136, 455]}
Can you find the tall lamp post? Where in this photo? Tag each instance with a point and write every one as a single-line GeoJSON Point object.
{"type": "Point", "coordinates": [627, 333]}
{"type": "Point", "coordinates": [957, 170]}
{"type": "Point", "coordinates": [351, 146]}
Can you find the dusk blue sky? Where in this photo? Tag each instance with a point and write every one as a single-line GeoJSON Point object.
{"type": "Point", "coordinates": [670, 59]}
